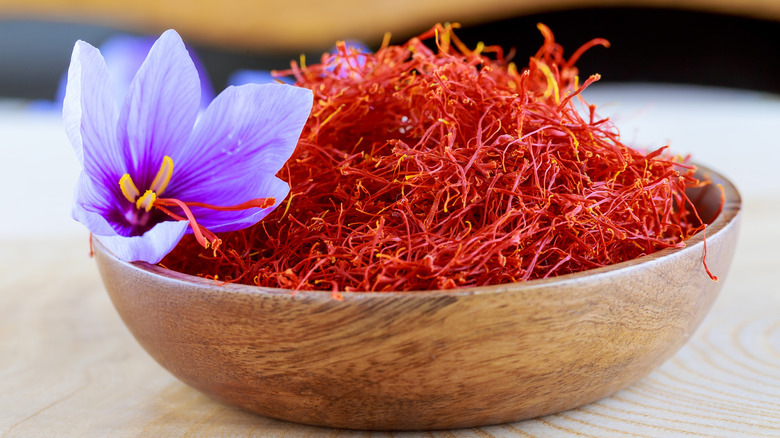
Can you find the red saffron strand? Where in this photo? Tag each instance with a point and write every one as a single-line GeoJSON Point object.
{"type": "Point", "coordinates": [254, 203]}
{"type": "Point", "coordinates": [203, 236]}
{"type": "Point", "coordinates": [430, 168]}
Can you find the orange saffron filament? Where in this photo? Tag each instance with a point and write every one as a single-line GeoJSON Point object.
{"type": "Point", "coordinates": [203, 236]}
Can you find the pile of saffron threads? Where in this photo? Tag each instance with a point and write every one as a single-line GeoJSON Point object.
{"type": "Point", "coordinates": [425, 169]}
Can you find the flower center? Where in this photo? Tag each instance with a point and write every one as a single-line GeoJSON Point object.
{"type": "Point", "coordinates": [151, 198]}
{"type": "Point", "coordinates": [159, 184]}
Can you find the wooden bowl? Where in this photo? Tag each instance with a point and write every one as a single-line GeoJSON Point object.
{"type": "Point", "coordinates": [434, 359]}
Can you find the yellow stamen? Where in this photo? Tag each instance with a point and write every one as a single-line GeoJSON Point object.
{"type": "Point", "coordinates": [146, 201]}
{"type": "Point", "coordinates": [552, 84]}
{"type": "Point", "coordinates": [128, 188]}
{"type": "Point", "coordinates": [163, 176]}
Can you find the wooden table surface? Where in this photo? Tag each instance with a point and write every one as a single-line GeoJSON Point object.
{"type": "Point", "coordinates": [69, 367]}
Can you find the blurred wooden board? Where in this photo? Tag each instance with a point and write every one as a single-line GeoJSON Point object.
{"type": "Point", "coordinates": [313, 24]}
{"type": "Point", "coordinates": [69, 367]}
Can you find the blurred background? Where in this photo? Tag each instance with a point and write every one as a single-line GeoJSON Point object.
{"type": "Point", "coordinates": [706, 44]}
{"type": "Point", "coordinates": [702, 77]}
{"type": "Point", "coordinates": [698, 75]}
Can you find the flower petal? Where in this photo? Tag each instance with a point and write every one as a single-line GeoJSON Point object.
{"type": "Point", "coordinates": [150, 247]}
{"type": "Point", "coordinates": [92, 205]}
{"type": "Point", "coordinates": [248, 131]}
{"type": "Point", "coordinates": [90, 116]}
{"type": "Point", "coordinates": [160, 108]}
{"type": "Point", "coordinates": [124, 55]}
{"type": "Point", "coordinates": [96, 209]}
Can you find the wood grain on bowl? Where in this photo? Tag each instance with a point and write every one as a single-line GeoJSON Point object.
{"type": "Point", "coordinates": [427, 360]}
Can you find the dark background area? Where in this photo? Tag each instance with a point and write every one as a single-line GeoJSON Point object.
{"type": "Point", "coordinates": [654, 45]}
{"type": "Point", "coordinates": [648, 45]}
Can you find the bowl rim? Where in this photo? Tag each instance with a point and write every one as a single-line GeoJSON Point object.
{"type": "Point", "coordinates": [727, 216]}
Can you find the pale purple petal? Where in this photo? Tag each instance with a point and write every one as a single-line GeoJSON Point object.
{"type": "Point", "coordinates": [150, 247]}
{"type": "Point", "coordinates": [89, 114]}
{"type": "Point", "coordinates": [247, 131]}
{"type": "Point", "coordinates": [124, 55]}
{"type": "Point", "coordinates": [95, 207]}
{"type": "Point", "coordinates": [241, 141]}
{"type": "Point", "coordinates": [160, 108]}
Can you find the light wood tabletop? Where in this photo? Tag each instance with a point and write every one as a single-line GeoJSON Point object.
{"type": "Point", "coordinates": [69, 367]}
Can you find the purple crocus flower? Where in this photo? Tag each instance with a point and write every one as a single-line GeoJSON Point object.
{"type": "Point", "coordinates": [216, 175]}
